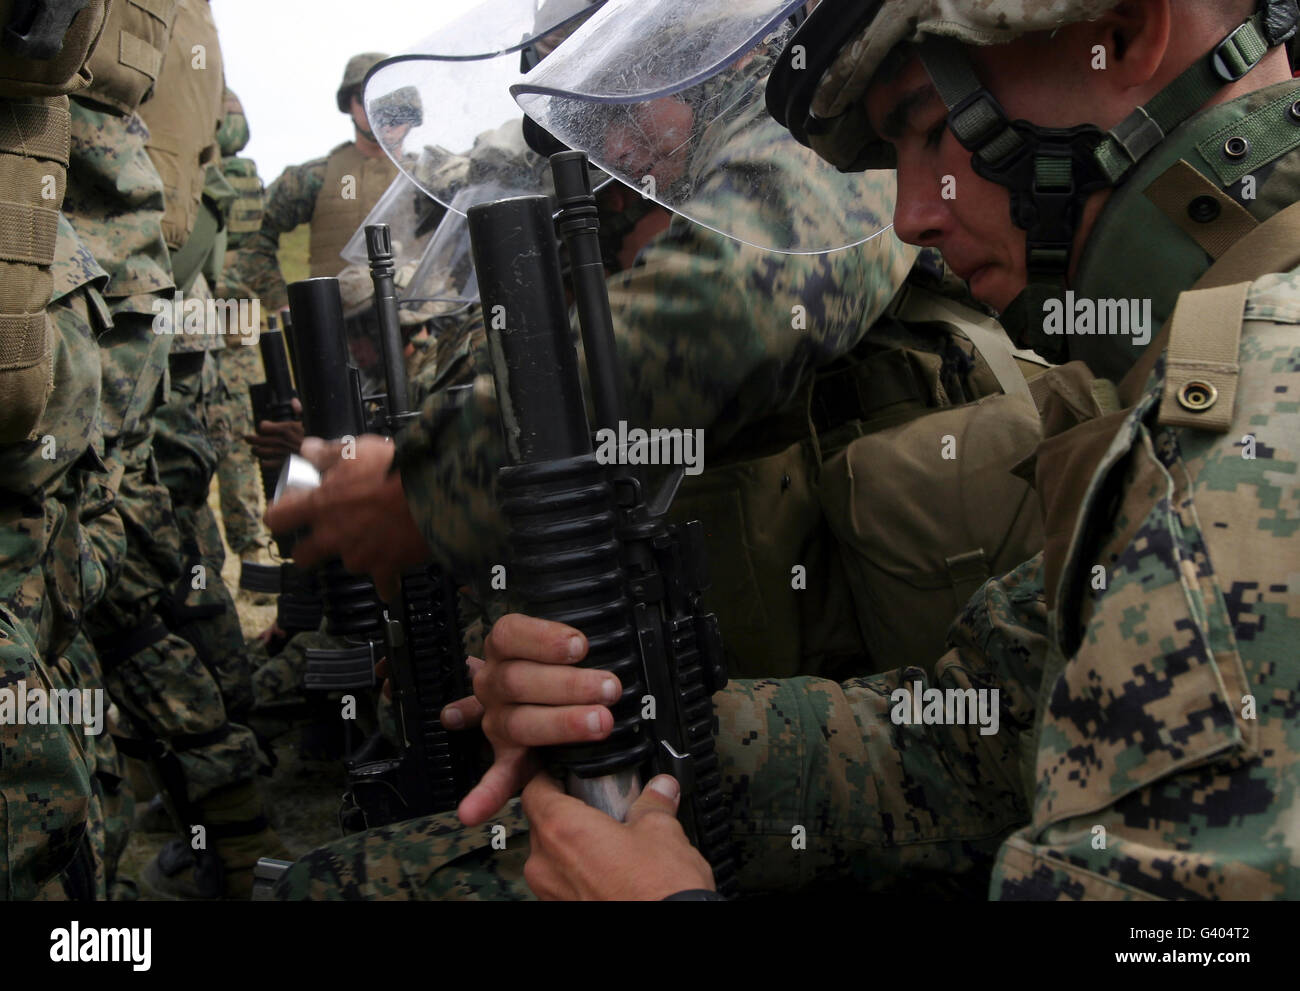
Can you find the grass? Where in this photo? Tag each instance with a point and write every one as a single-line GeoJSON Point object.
{"type": "Point", "coordinates": [293, 254]}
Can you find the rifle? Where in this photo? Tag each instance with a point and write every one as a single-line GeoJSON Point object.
{"type": "Point", "coordinates": [332, 407]}
{"type": "Point", "coordinates": [420, 633]}
{"type": "Point", "coordinates": [273, 399]}
{"type": "Point", "coordinates": [587, 547]}
{"type": "Point", "coordinates": [426, 659]}
{"type": "Point", "coordinates": [299, 605]}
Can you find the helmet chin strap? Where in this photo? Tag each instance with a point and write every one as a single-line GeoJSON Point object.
{"type": "Point", "coordinates": [1051, 172]}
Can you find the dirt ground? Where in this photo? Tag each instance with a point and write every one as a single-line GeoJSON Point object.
{"type": "Point", "coordinates": [302, 796]}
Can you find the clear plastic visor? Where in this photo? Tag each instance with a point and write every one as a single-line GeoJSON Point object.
{"type": "Point", "coordinates": [471, 137]}
{"type": "Point", "coordinates": [444, 280]}
{"type": "Point", "coordinates": [491, 27]}
{"type": "Point", "coordinates": [411, 217]}
{"type": "Point", "coordinates": [668, 97]}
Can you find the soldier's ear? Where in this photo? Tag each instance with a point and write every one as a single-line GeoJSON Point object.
{"type": "Point", "coordinates": [1136, 35]}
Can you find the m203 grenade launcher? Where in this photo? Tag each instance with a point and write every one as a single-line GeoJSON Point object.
{"type": "Point", "coordinates": [587, 546]}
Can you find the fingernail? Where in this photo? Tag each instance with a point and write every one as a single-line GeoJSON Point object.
{"type": "Point", "coordinates": [593, 722]}
{"type": "Point", "coordinates": [609, 690]}
{"type": "Point", "coordinates": [667, 786]}
{"type": "Point", "coordinates": [452, 718]}
{"type": "Point", "coordinates": [575, 647]}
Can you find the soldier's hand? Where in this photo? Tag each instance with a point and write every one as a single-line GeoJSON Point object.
{"type": "Point", "coordinates": [578, 853]}
{"type": "Point", "coordinates": [276, 440]}
{"type": "Point", "coordinates": [529, 695]}
{"type": "Point", "coordinates": [359, 512]}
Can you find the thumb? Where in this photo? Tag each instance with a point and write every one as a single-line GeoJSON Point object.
{"type": "Point", "coordinates": [323, 454]}
{"type": "Point", "coordinates": [662, 793]}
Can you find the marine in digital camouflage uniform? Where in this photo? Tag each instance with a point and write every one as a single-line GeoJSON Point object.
{"type": "Point", "coordinates": [333, 194]}
{"type": "Point", "coordinates": [690, 277]}
{"type": "Point", "coordinates": [56, 779]}
{"type": "Point", "coordinates": [788, 326]}
{"type": "Point", "coordinates": [165, 693]}
{"type": "Point", "coordinates": [1145, 662]}
{"type": "Point", "coordinates": [183, 119]}
{"type": "Point", "coordinates": [59, 786]}
{"type": "Point", "coordinates": [240, 364]}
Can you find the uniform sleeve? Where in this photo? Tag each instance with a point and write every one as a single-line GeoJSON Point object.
{"type": "Point", "coordinates": [290, 202]}
{"type": "Point", "coordinates": [712, 335]}
{"type": "Point", "coordinates": [837, 782]}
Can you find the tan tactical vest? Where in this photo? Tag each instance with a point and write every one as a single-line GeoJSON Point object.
{"type": "Point", "coordinates": [841, 540]}
{"type": "Point", "coordinates": [342, 204]}
{"type": "Point", "coordinates": [246, 210]}
{"type": "Point", "coordinates": [34, 136]}
{"type": "Point", "coordinates": [184, 115]}
{"type": "Point", "coordinates": [67, 71]}
{"type": "Point", "coordinates": [128, 59]}
{"type": "Point", "coordinates": [35, 131]}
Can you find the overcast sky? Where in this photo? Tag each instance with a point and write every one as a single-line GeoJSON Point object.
{"type": "Point", "coordinates": [284, 58]}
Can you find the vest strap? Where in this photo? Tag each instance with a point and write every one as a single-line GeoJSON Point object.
{"type": "Point", "coordinates": [36, 130]}
{"type": "Point", "coordinates": [1184, 195]}
{"type": "Point", "coordinates": [1201, 366]}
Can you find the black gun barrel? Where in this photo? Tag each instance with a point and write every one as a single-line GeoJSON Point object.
{"type": "Point", "coordinates": [525, 305]}
{"type": "Point", "coordinates": [579, 225]}
{"type": "Point", "coordinates": [587, 548]}
{"type": "Point", "coordinates": [332, 408]}
{"type": "Point", "coordinates": [275, 362]}
{"type": "Point", "coordinates": [564, 552]}
{"type": "Point", "coordinates": [331, 396]}
{"type": "Point", "coordinates": [379, 248]}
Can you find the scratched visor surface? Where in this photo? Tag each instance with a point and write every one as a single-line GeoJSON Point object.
{"type": "Point", "coordinates": [668, 97]}
{"type": "Point", "coordinates": [466, 145]}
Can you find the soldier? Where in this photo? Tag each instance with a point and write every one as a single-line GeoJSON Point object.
{"type": "Point", "coordinates": [763, 453]}
{"type": "Point", "coordinates": [183, 119]}
{"type": "Point", "coordinates": [1164, 552]}
{"type": "Point", "coordinates": [760, 490]}
{"type": "Point", "coordinates": [173, 713]}
{"type": "Point", "coordinates": [55, 778]}
{"type": "Point", "coordinates": [334, 194]}
{"type": "Point", "coordinates": [239, 365]}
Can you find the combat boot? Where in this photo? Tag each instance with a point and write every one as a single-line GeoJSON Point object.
{"type": "Point", "coordinates": [235, 833]}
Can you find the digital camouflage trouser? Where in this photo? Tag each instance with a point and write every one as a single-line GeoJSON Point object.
{"type": "Point", "coordinates": [53, 835]}
{"type": "Point", "coordinates": [48, 807]}
{"type": "Point", "coordinates": [187, 460]}
{"type": "Point", "coordinates": [238, 477]}
{"type": "Point", "coordinates": [170, 701]}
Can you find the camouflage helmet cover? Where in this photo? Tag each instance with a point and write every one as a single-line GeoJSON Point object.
{"type": "Point", "coordinates": [232, 132]}
{"type": "Point", "coordinates": [402, 106]}
{"type": "Point", "coordinates": [842, 134]}
{"type": "Point", "coordinates": [354, 75]}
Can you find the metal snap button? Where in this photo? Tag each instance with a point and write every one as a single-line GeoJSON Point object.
{"type": "Point", "coordinates": [1197, 396]}
{"type": "Point", "coordinates": [1237, 147]}
{"type": "Point", "coordinates": [1294, 111]}
{"type": "Point", "coordinates": [1204, 209]}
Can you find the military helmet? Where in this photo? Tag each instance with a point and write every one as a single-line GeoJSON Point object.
{"type": "Point", "coordinates": [818, 87]}
{"type": "Point", "coordinates": [232, 132]}
{"type": "Point", "coordinates": [817, 91]}
{"type": "Point", "coordinates": [402, 106]}
{"type": "Point", "coordinates": [354, 75]}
